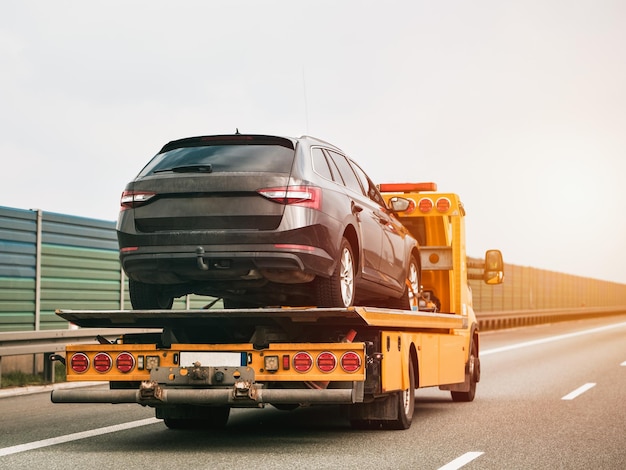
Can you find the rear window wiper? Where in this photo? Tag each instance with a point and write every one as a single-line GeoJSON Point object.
{"type": "Point", "coordinates": [199, 168]}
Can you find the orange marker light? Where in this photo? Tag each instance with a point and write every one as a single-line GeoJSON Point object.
{"type": "Point", "coordinates": [425, 205]}
{"type": "Point", "coordinates": [443, 204]}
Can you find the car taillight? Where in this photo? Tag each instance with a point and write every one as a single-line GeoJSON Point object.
{"type": "Point", "coordinates": [102, 362]}
{"type": "Point", "coordinates": [125, 362]}
{"type": "Point", "coordinates": [131, 199]}
{"type": "Point", "coordinates": [302, 362]}
{"type": "Point", "coordinates": [307, 196]}
{"type": "Point", "coordinates": [350, 361]}
{"type": "Point", "coordinates": [79, 363]}
{"type": "Point", "coordinates": [326, 362]}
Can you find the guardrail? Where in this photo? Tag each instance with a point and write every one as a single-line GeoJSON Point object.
{"type": "Point", "coordinates": [49, 342]}
{"type": "Point", "coordinates": [515, 318]}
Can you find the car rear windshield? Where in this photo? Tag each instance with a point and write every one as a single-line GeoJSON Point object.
{"type": "Point", "coordinates": [223, 158]}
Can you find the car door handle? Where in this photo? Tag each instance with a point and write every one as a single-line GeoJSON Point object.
{"type": "Point", "coordinates": [356, 208]}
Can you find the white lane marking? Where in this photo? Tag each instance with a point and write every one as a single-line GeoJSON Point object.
{"type": "Point", "coordinates": [578, 391]}
{"type": "Point", "coordinates": [461, 461]}
{"type": "Point", "coordinates": [551, 339]}
{"type": "Point", "coordinates": [76, 436]}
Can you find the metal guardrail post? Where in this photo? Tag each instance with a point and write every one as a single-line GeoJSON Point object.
{"type": "Point", "coordinates": [48, 368]}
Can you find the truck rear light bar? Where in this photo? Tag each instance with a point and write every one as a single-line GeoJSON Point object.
{"type": "Point", "coordinates": [125, 362]}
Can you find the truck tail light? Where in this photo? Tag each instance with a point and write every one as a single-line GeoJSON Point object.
{"type": "Point", "coordinates": [326, 362]}
{"type": "Point", "coordinates": [102, 362]}
{"type": "Point", "coordinates": [132, 199]}
{"type": "Point", "coordinates": [350, 361]}
{"type": "Point", "coordinates": [125, 362]}
{"type": "Point", "coordinates": [79, 363]}
{"type": "Point", "coordinates": [302, 362]}
{"type": "Point", "coordinates": [307, 196]}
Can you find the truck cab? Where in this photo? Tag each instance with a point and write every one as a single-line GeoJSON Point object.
{"type": "Point", "coordinates": [437, 221]}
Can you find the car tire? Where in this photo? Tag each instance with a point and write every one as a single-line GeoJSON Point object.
{"type": "Point", "coordinates": [148, 296]}
{"type": "Point", "coordinates": [408, 298]}
{"type": "Point", "coordinates": [338, 289]}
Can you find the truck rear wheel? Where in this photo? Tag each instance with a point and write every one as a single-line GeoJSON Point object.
{"type": "Point", "coordinates": [406, 404]}
{"type": "Point", "coordinates": [338, 289]}
{"type": "Point", "coordinates": [378, 414]}
{"type": "Point", "coordinates": [148, 296]}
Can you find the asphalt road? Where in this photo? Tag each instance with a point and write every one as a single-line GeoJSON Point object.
{"type": "Point", "coordinates": [551, 396]}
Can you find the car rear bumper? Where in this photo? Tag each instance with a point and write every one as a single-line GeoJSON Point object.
{"type": "Point", "coordinates": [174, 265]}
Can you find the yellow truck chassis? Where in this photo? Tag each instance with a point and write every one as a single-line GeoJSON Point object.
{"type": "Point", "coordinates": [383, 355]}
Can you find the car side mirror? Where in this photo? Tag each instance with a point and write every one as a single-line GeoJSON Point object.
{"type": "Point", "coordinates": [494, 267]}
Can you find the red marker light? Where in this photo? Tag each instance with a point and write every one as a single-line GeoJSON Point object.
{"type": "Point", "coordinates": [350, 361]}
{"type": "Point", "coordinates": [125, 362]}
{"type": "Point", "coordinates": [302, 362]}
{"type": "Point", "coordinates": [79, 363]}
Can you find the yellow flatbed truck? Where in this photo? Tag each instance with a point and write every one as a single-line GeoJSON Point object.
{"type": "Point", "coordinates": [368, 359]}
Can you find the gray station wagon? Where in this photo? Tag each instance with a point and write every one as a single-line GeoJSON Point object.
{"type": "Point", "coordinates": [259, 221]}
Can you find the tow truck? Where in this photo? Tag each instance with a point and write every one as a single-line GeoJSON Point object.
{"type": "Point", "coordinates": [368, 360]}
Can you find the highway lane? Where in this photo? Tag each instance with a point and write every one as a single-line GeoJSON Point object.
{"type": "Point", "coordinates": [519, 420]}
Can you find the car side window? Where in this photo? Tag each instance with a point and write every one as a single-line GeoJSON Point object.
{"type": "Point", "coordinates": [370, 187]}
{"type": "Point", "coordinates": [347, 173]}
{"type": "Point", "coordinates": [320, 164]}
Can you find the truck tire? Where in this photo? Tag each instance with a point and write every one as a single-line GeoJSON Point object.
{"type": "Point", "coordinates": [194, 417]}
{"type": "Point", "coordinates": [338, 289]}
{"type": "Point", "coordinates": [406, 404]}
{"type": "Point", "coordinates": [473, 374]}
{"type": "Point", "coordinates": [148, 296]}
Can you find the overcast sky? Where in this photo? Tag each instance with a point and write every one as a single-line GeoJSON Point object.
{"type": "Point", "coordinates": [518, 106]}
